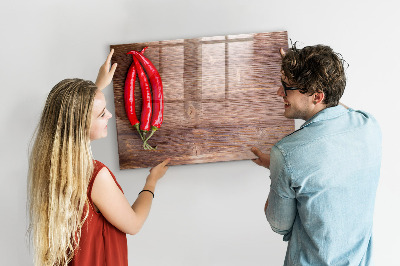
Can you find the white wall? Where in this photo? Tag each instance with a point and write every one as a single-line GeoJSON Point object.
{"type": "Point", "coordinates": [208, 214]}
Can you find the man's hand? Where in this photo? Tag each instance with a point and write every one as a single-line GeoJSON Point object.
{"type": "Point", "coordinates": [282, 52]}
{"type": "Point", "coordinates": [106, 74]}
{"type": "Point", "coordinates": [263, 158]}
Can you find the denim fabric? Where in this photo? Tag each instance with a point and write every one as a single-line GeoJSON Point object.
{"type": "Point", "coordinates": [323, 183]}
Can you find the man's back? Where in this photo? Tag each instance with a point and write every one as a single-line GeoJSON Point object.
{"type": "Point", "coordinates": [328, 170]}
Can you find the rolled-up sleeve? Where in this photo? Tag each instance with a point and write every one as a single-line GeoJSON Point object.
{"type": "Point", "coordinates": [281, 210]}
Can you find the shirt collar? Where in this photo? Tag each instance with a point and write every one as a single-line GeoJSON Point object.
{"type": "Point", "coordinates": [326, 114]}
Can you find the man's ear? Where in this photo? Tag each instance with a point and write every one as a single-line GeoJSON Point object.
{"type": "Point", "coordinates": [282, 52]}
{"type": "Point", "coordinates": [318, 97]}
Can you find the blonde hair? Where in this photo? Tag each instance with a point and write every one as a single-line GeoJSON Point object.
{"type": "Point", "coordinates": [60, 168]}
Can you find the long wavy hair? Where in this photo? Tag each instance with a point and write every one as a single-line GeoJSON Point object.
{"type": "Point", "coordinates": [60, 167]}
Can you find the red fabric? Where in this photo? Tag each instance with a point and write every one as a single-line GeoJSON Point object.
{"type": "Point", "coordinates": [101, 243]}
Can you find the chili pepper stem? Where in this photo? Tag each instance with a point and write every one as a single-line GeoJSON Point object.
{"type": "Point", "coordinates": [144, 132]}
{"type": "Point", "coordinates": [153, 129]}
{"type": "Point", "coordinates": [146, 146]}
{"type": "Point", "coordinates": [138, 130]}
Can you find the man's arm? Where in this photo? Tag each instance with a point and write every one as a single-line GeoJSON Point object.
{"type": "Point", "coordinates": [262, 159]}
{"type": "Point", "coordinates": [280, 208]}
{"type": "Point", "coordinates": [280, 213]}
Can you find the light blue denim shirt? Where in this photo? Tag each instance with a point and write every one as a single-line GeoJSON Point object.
{"type": "Point", "coordinates": [323, 183]}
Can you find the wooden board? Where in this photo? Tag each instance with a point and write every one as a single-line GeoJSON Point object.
{"type": "Point", "coordinates": [220, 99]}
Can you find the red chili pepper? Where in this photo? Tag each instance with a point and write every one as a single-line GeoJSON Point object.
{"type": "Point", "coordinates": [129, 97]}
{"type": "Point", "coordinates": [156, 84]}
{"type": "Point", "coordinates": [146, 98]}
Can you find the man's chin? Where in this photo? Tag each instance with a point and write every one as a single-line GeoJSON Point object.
{"type": "Point", "coordinates": [288, 115]}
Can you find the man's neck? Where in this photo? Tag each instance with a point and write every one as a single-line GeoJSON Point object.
{"type": "Point", "coordinates": [318, 108]}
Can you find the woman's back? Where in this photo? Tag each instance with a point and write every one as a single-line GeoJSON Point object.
{"type": "Point", "coordinates": [101, 243]}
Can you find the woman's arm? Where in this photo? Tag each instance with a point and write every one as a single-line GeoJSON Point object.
{"type": "Point", "coordinates": [114, 206]}
{"type": "Point", "coordinates": [105, 75]}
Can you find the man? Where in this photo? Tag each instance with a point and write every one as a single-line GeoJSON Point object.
{"type": "Point", "coordinates": [325, 174]}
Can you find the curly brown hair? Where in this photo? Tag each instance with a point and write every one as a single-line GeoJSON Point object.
{"type": "Point", "coordinates": [316, 69]}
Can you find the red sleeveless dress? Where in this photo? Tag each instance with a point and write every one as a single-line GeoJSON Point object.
{"type": "Point", "coordinates": [101, 243]}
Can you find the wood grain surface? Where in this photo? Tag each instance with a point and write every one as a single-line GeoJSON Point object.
{"type": "Point", "coordinates": [219, 96]}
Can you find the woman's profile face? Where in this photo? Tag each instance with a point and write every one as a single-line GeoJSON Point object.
{"type": "Point", "coordinates": [100, 116]}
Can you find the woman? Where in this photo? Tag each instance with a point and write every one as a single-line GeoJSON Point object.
{"type": "Point", "coordinates": [78, 212]}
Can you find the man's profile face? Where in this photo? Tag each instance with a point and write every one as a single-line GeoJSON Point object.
{"type": "Point", "coordinates": [296, 104]}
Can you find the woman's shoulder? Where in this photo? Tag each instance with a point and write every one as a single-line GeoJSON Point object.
{"type": "Point", "coordinates": [98, 165]}
{"type": "Point", "coordinates": [105, 173]}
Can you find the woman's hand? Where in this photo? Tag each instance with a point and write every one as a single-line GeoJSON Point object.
{"type": "Point", "coordinates": [158, 171]}
{"type": "Point", "coordinates": [106, 74]}
{"type": "Point", "coordinates": [263, 158]}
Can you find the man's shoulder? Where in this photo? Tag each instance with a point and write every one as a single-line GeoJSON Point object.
{"type": "Point", "coordinates": [320, 129]}
{"type": "Point", "coordinates": [292, 142]}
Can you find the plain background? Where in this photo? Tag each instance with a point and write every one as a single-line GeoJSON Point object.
{"type": "Point", "coordinates": [207, 214]}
